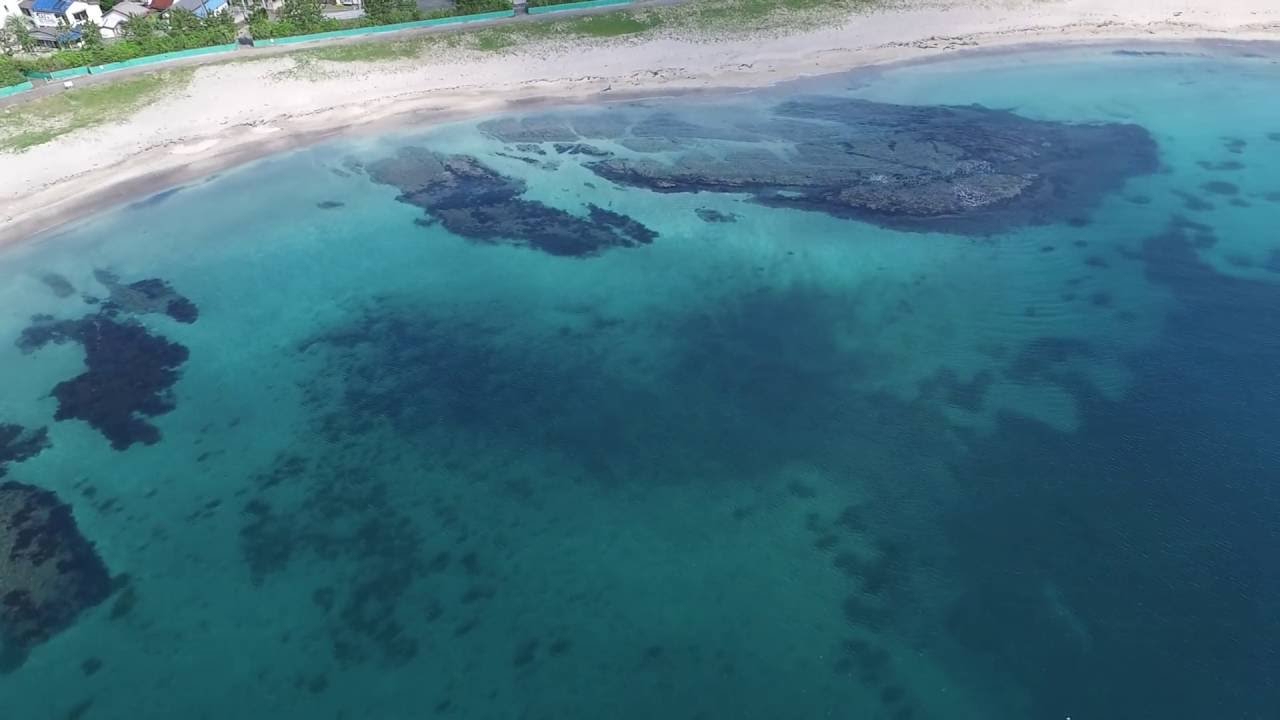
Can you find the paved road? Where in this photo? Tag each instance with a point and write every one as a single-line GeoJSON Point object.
{"type": "Point", "coordinates": [242, 52]}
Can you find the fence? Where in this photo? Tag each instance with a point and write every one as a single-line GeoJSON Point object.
{"type": "Point", "coordinates": [15, 89]}
{"type": "Point", "coordinates": [163, 57]}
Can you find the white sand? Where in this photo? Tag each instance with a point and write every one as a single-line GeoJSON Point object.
{"type": "Point", "coordinates": [234, 112]}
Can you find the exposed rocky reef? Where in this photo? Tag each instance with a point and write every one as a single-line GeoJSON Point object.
{"type": "Point", "coordinates": [476, 202]}
{"type": "Point", "coordinates": [969, 170]}
{"type": "Point", "coordinates": [18, 443]}
{"type": "Point", "coordinates": [49, 573]}
{"type": "Point", "coordinates": [129, 369]}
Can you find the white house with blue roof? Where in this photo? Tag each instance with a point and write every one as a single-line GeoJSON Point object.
{"type": "Point", "coordinates": [62, 13]}
{"type": "Point", "coordinates": [57, 22]}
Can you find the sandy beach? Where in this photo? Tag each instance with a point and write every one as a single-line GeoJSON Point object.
{"type": "Point", "coordinates": [232, 113]}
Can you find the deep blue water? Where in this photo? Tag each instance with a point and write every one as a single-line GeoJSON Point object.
{"type": "Point", "coordinates": [948, 391]}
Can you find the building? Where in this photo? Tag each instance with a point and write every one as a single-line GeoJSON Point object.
{"type": "Point", "coordinates": [57, 22]}
{"type": "Point", "coordinates": [119, 15]}
{"type": "Point", "coordinates": [7, 8]}
{"type": "Point", "coordinates": [202, 8]}
{"type": "Point", "coordinates": [55, 14]}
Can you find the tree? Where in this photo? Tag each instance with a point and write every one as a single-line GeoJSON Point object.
{"type": "Point", "coordinates": [17, 29]}
{"type": "Point", "coordinates": [383, 12]}
{"type": "Point", "coordinates": [91, 35]}
{"type": "Point", "coordinates": [303, 14]}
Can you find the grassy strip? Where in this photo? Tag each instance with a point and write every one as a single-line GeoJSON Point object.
{"type": "Point", "coordinates": [39, 121]}
{"type": "Point", "coordinates": [700, 16]}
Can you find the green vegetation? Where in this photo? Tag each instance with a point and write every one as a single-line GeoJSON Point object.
{"type": "Point", "coordinates": [150, 35]}
{"type": "Point", "coordinates": [44, 119]}
{"type": "Point", "coordinates": [15, 35]}
{"type": "Point", "coordinates": [10, 74]}
{"type": "Point", "coordinates": [700, 16]}
{"type": "Point", "coordinates": [303, 17]}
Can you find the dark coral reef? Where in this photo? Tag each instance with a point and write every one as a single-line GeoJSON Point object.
{"type": "Point", "coordinates": [965, 170]}
{"type": "Point", "coordinates": [49, 573]}
{"type": "Point", "coordinates": [478, 203]}
{"type": "Point", "coordinates": [129, 370]}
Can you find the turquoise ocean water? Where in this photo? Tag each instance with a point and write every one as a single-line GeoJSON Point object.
{"type": "Point", "coordinates": [762, 462]}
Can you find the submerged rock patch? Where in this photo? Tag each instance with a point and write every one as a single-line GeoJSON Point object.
{"type": "Point", "coordinates": [18, 443]}
{"type": "Point", "coordinates": [932, 168]}
{"type": "Point", "coordinates": [478, 203]}
{"type": "Point", "coordinates": [58, 284]}
{"type": "Point", "coordinates": [49, 573]}
{"type": "Point", "coordinates": [129, 370]}
{"type": "Point", "coordinates": [715, 216]}
{"type": "Point", "coordinates": [152, 295]}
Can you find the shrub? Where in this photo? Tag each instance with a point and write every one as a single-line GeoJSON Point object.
{"type": "Point", "coordinates": [151, 35]}
{"type": "Point", "coordinates": [10, 73]}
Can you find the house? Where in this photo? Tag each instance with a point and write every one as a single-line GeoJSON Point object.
{"type": "Point", "coordinates": [160, 5]}
{"type": "Point", "coordinates": [122, 13]}
{"type": "Point", "coordinates": [202, 8]}
{"type": "Point", "coordinates": [57, 22]}
{"type": "Point", "coordinates": [54, 14]}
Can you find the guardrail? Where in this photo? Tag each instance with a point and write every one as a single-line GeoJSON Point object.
{"type": "Point", "coordinates": [15, 89]}
{"type": "Point", "coordinates": [162, 57]}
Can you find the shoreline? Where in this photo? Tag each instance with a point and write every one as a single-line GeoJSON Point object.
{"type": "Point", "coordinates": [65, 193]}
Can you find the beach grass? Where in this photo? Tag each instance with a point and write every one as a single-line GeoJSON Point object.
{"type": "Point", "coordinates": [699, 17]}
{"type": "Point", "coordinates": [40, 121]}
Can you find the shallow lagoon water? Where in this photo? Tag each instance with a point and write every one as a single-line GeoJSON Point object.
{"type": "Point", "coordinates": [769, 462]}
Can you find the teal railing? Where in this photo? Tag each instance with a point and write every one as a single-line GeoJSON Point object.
{"type": "Point", "coordinates": [57, 74]}
{"type": "Point", "coordinates": [163, 57]}
{"type": "Point", "coordinates": [15, 89]}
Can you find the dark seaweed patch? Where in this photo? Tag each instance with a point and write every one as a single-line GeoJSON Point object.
{"type": "Point", "coordinates": [129, 376]}
{"type": "Point", "coordinates": [1219, 187]}
{"type": "Point", "coordinates": [1225, 165]}
{"type": "Point", "coordinates": [152, 295]}
{"type": "Point", "coordinates": [60, 286]}
{"type": "Point", "coordinates": [476, 202]}
{"type": "Point", "coordinates": [1072, 545]}
{"type": "Point", "coordinates": [130, 371]}
{"type": "Point", "coordinates": [346, 518]}
{"type": "Point", "coordinates": [715, 216]}
{"type": "Point", "coordinates": [49, 573]}
{"type": "Point", "coordinates": [1192, 202]}
{"type": "Point", "coordinates": [18, 443]}
{"type": "Point", "coordinates": [581, 149]}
